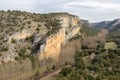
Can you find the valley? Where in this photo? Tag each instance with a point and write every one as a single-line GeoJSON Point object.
{"type": "Point", "coordinates": [57, 46]}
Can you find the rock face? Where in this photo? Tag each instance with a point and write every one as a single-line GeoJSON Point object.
{"type": "Point", "coordinates": [21, 35]}
{"type": "Point", "coordinates": [52, 46]}
{"type": "Point", "coordinates": [25, 33]}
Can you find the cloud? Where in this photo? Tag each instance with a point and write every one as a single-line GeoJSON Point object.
{"type": "Point", "coordinates": [95, 5]}
{"type": "Point", "coordinates": [15, 4]}
{"type": "Point", "coordinates": [86, 9]}
{"type": "Point", "coordinates": [33, 5]}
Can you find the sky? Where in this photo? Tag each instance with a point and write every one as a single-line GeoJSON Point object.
{"type": "Point", "coordinates": [92, 10]}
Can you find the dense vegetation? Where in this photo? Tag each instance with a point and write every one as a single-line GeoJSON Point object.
{"type": "Point", "coordinates": [114, 36]}
{"type": "Point", "coordinates": [97, 64]}
{"type": "Point", "coordinates": [93, 62]}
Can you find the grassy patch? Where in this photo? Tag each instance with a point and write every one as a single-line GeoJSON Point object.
{"type": "Point", "coordinates": [110, 45]}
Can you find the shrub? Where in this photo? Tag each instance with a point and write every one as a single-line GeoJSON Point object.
{"type": "Point", "coordinates": [31, 38]}
{"type": "Point", "coordinates": [23, 23]}
{"type": "Point", "coordinates": [39, 25]}
{"type": "Point", "coordinates": [66, 71]}
{"type": "Point", "coordinates": [37, 29]}
{"type": "Point", "coordinates": [53, 67]}
{"type": "Point", "coordinates": [37, 73]}
{"type": "Point", "coordinates": [16, 58]}
{"type": "Point", "coordinates": [5, 48]}
{"type": "Point", "coordinates": [29, 22]}
{"type": "Point", "coordinates": [0, 54]}
{"type": "Point", "coordinates": [22, 52]}
{"type": "Point", "coordinates": [13, 40]}
{"type": "Point", "coordinates": [84, 47]}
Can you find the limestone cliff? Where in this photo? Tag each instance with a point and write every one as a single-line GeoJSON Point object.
{"type": "Point", "coordinates": [52, 46]}
{"type": "Point", "coordinates": [41, 34]}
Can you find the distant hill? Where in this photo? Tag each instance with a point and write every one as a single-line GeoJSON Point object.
{"type": "Point", "coordinates": [109, 25]}
{"type": "Point", "coordinates": [114, 25]}
{"type": "Point", "coordinates": [100, 25]}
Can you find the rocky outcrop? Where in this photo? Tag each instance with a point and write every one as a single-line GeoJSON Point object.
{"type": "Point", "coordinates": [52, 47]}
{"type": "Point", "coordinates": [21, 35]}
{"type": "Point", "coordinates": [29, 35]}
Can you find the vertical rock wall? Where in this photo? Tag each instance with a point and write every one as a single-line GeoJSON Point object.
{"type": "Point", "coordinates": [53, 43]}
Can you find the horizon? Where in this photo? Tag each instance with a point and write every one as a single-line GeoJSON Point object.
{"type": "Point", "coordinates": [100, 10]}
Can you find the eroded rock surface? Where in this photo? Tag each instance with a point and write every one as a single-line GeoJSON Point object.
{"type": "Point", "coordinates": [38, 34]}
{"type": "Point", "coordinates": [52, 48]}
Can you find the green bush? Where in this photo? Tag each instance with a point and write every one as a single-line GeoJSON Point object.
{"type": "Point", "coordinates": [0, 54]}
{"type": "Point", "coordinates": [88, 30]}
{"type": "Point", "coordinates": [31, 38]}
{"type": "Point", "coordinates": [53, 67]}
{"type": "Point", "coordinates": [13, 40]}
{"type": "Point", "coordinates": [29, 22]}
{"type": "Point", "coordinates": [66, 71]}
{"type": "Point", "coordinates": [5, 48]}
{"type": "Point", "coordinates": [22, 52]}
{"type": "Point", "coordinates": [37, 73]}
{"type": "Point", "coordinates": [84, 47]}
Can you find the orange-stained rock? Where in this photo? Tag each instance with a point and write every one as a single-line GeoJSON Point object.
{"type": "Point", "coordinates": [53, 43]}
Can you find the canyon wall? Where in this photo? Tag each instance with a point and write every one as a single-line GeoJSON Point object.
{"type": "Point", "coordinates": [52, 46]}
{"type": "Point", "coordinates": [24, 40]}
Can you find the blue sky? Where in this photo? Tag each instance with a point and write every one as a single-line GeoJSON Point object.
{"type": "Point", "coordinates": [92, 10]}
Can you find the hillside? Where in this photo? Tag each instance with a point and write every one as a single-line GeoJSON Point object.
{"type": "Point", "coordinates": [35, 46]}
{"type": "Point", "coordinates": [24, 33]}
{"type": "Point", "coordinates": [93, 65]}
{"type": "Point", "coordinates": [87, 28]}
{"type": "Point", "coordinates": [98, 58]}
{"type": "Point", "coordinates": [31, 43]}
